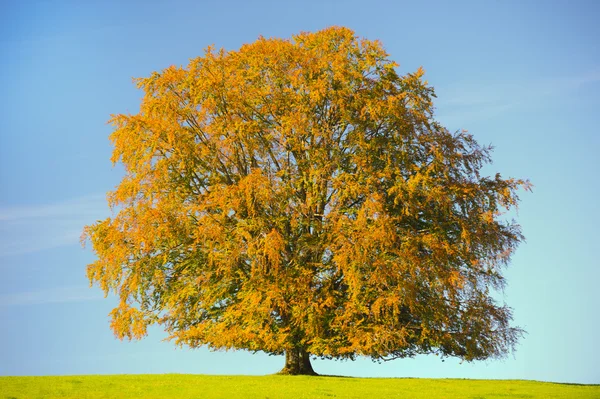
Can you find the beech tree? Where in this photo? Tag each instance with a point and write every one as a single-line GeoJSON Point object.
{"type": "Point", "coordinates": [297, 196]}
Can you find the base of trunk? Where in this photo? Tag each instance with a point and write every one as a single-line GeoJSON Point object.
{"type": "Point", "coordinates": [297, 362]}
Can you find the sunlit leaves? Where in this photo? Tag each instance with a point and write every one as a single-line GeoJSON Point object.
{"type": "Point", "coordinates": [297, 194]}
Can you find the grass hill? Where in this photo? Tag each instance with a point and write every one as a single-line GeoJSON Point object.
{"type": "Point", "coordinates": [181, 386]}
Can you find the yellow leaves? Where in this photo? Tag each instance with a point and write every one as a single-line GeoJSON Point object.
{"type": "Point", "coordinates": [456, 280]}
{"type": "Point", "coordinates": [128, 322]}
{"type": "Point", "coordinates": [489, 216]}
{"type": "Point", "coordinates": [297, 188]}
{"type": "Point", "coordinates": [386, 306]}
{"type": "Point", "coordinates": [256, 189]}
{"type": "Point", "coordinates": [418, 74]}
{"type": "Point", "coordinates": [274, 245]}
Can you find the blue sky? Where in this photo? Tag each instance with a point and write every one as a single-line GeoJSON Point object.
{"type": "Point", "coordinates": [521, 75]}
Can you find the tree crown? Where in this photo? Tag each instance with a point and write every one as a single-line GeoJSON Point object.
{"type": "Point", "coordinates": [299, 194]}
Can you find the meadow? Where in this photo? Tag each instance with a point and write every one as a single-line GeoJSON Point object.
{"type": "Point", "coordinates": [275, 386]}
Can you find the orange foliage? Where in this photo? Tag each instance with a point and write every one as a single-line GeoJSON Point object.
{"type": "Point", "coordinates": [299, 194]}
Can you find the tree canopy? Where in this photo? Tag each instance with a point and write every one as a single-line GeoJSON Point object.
{"type": "Point", "coordinates": [297, 196]}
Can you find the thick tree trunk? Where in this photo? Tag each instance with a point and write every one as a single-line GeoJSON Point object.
{"type": "Point", "coordinates": [297, 362]}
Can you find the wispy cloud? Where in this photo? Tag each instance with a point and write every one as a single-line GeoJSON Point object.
{"type": "Point", "coordinates": [76, 293]}
{"type": "Point", "coordinates": [481, 100]}
{"type": "Point", "coordinates": [25, 229]}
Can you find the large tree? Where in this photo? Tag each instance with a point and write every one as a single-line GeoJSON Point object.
{"type": "Point", "coordinates": [297, 196]}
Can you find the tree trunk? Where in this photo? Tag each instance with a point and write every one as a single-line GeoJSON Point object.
{"type": "Point", "coordinates": [297, 362]}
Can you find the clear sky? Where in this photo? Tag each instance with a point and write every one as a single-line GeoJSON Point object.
{"type": "Point", "coordinates": [521, 75]}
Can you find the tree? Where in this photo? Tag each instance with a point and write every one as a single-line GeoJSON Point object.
{"type": "Point", "coordinates": [297, 196]}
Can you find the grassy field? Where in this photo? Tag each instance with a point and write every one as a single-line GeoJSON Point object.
{"type": "Point", "coordinates": [202, 386]}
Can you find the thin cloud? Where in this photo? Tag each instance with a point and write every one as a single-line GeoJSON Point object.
{"type": "Point", "coordinates": [467, 102]}
{"type": "Point", "coordinates": [63, 294]}
{"type": "Point", "coordinates": [26, 229]}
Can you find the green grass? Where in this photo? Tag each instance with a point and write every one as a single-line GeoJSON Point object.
{"type": "Point", "coordinates": [203, 386]}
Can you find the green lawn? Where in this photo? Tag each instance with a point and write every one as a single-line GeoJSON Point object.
{"type": "Point", "coordinates": [203, 386]}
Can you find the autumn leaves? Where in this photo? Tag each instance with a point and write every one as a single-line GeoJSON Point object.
{"type": "Point", "coordinates": [296, 195]}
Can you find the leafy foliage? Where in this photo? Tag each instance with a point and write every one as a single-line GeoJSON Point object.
{"type": "Point", "coordinates": [298, 195]}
